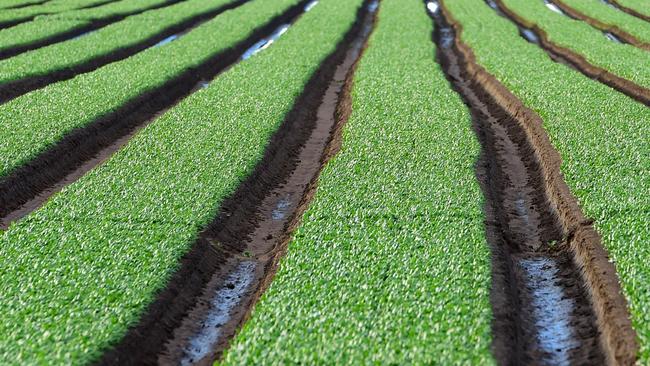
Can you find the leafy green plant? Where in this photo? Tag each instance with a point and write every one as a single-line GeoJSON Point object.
{"type": "Point", "coordinates": [608, 15]}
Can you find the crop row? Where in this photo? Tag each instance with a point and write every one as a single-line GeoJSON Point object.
{"type": "Point", "coordinates": [138, 32]}
{"type": "Point", "coordinates": [80, 270]}
{"type": "Point", "coordinates": [390, 263]}
{"type": "Point", "coordinates": [9, 17]}
{"type": "Point", "coordinates": [638, 6]}
{"type": "Point", "coordinates": [37, 120]}
{"type": "Point", "coordinates": [6, 4]}
{"type": "Point", "coordinates": [608, 15]}
{"type": "Point", "coordinates": [620, 59]}
{"type": "Point", "coordinates": [600, 134]}
{"type": "Point", "coordinates": [52, 26]}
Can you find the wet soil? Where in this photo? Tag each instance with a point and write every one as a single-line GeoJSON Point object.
{"type": "Point", "coordinates": [233, 261]}
{"type": "Point", "coordinates": [568, 57]}
{"type": "Point", "coordinates": [620, 35]}
{"type": "Point", "coordinates": [28, 187]}
{"type": "Point", "coordinates": [71, 34]}
{"type": "Point", "coordinates": [555, 297]}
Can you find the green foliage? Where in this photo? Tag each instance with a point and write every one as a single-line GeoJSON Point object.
{"type": "Point", "coordinates": [51, 7]}
{"type": "Point", "coordinates": [601, 135]}
{"type": "Point", "coordinates": [608, 15]}
{"type": "Point", "coordinates": [122, 34]}
{"type": "Point", "coordinates": [640, 6]}
{"type": "Point", "coordinates": [390, 264]}
{"type": "Point", "coordinates": [79, 271]}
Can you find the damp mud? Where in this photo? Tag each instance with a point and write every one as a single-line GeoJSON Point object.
{"type": "Point", "coordinates": [571, 58]}
{"type": "Point", "coordinates": [236, 256]}
{"type": "Point", "coordinates": [30, 186]}
{"type": "Point", "coordinates": [555, 296]}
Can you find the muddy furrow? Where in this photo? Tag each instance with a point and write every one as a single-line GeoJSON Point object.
{"type": "Point", "coordinates": [28, 187]}
{"type": "Point", "coordinates": [78, 32]}
{"type": "Point", "coordinates": [555, 296]}
{"type": "Point", "coordinates": [534, 34]}
{"type": "Point", "coordinates": [233, 261]}
{"type": "Point", "coordinates": [615, 4]}
{"type": "Point", "coordinates": [15, 89]}
{"type": "Point", "coordinates": [603, 27]}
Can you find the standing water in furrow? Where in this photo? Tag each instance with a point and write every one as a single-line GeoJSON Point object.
{"type": "Point", "coordinates": [542, 312]}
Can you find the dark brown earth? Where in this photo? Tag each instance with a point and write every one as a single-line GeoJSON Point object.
{"type": "Point", "coordinates": [256, 222]}
{"type": "Point", "coordinates": [630, 11]}
{"type": "Point", "coordinates": [618, 32]}
{"type": "Point", "coordinates": [555, 296]}
{"type": "Point", "coordinates": [577, 61]}
{"type": "Point", "coordinates": [28, 187]}
{"type": "Point", "coordinates": [16, 88]}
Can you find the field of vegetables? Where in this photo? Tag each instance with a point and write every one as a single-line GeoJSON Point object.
{"type": "Point", "coordinates": [324, 182]}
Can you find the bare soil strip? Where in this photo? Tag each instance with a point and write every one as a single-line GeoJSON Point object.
{"type": "Point", "coordinates": [233, 261]}
{"type": "Point", "coordinates": [604, 27]}
{"type": "Point", "coordinates": [555, 296]}
{"type": "Point", "coordinates": [29, 187]}
{"type": "Point", "coordinates": [625, 9]}
{"type": "Point", "coordinates": [11, 23]}
{"type": "Point", "coordinates": [14, 89]}
{"type": "Point", "coordinates": [568, 57]}
{"type": "Point", "coordinates": [62, 37]}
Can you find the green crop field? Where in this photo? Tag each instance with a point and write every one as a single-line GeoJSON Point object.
{"type": "Point", "coordinates": [320, 182]}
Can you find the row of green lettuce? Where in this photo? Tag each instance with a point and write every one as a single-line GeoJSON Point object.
{"type": "Point", "coordinates": [601, 135]}
{"type": "Point", "coordinates": [623, 60]}
{"type": "Point", "coordinates": [49, 26]}
{"type": "Point", "coordinates": [82, 269]}
{"type": "Point", "coordinates": [390, 264]}
{"type": "Point", "coordinates": [51, 7]}
{"type": "Point", "coordinates": [35, 121]}
{"type": "Point", "coordinates": [641, 6]}
{"type": "Point", "coordinates": [609, 15]}
{"type": "Point", "coordinates": [145, 27]}
{"type": "Point", "coordinates": [4, 4]}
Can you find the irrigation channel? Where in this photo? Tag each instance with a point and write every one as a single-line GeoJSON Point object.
{"type": "Point", "coordinates": [555, 296]}
{"type": "Point", "coordinates": [235, 258]}
{"type": "Point", "coordinates": [16, 88]}
{"type": "Point", "coordinates": [30, 186]}
{"type": "Point", "coordinates": [534, 34]}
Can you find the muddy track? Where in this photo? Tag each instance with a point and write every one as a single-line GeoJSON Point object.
{"type": "Point", "coordinates": [555, 296]}
{"type": "Point", "coordinates": [11, 23]}
{"type": "Point", "coordinates": [74, 33]}
{"type": "Point", "coordinates": [14, 89]}
{"type": "Point", "coordinates": [233, 261]}
{"type": "Point", "coordinates": [533, 33]}
{"type": "Point", "coordinates": [29, 186]}
{"type": "Point", "coordinates": [625, 9]}
{"type": "Point", "coordinates": [604, 27]}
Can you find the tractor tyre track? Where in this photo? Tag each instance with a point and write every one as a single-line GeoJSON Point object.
{"type": "Point", "coordinates": [556, 298]}
{"type": "Point", "coordinates": [254, 224]}
{"type": "Point", "coordinates": [29, 186]}
{"type": "Point", "coordinates": [16, 88]}
{"type": "Point", "coordinates": [578, 62]}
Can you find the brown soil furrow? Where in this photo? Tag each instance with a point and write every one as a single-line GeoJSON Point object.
{"type": "Point", "coordinates": [28, 187]}
{"type": "Point", "coordinates": [555, 296]}
{"type": "Point", "coordinates": [16, 88]}
{"type": "Point", "coordinates": [630, 11]}
{"type": "Point", "coordinates": [604, 27]}
{"type": "Point", "coordinates": [11, 23]}
{"type": "Point", "coordinates": [578, 62]}
{"type": "Point", "coordinates": [77, 32]}
{"type": "Point", "coordinates": [36, 2]}
{"type": "Point", "coordinates": [233, 261]}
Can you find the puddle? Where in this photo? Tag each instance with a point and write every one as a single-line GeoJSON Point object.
{"type": "Point", "coordinates": [266, 42]}
{"type": "Point", "coordinates": [551, 310]}
{"type": "Point", "coordinates": [311, 5]}
{"type": "Point", "coordinates": [433, 7]}
{"type": "Point", "coordinates": [553, 7]}
{"type": "Point", "coordinates": [446, 32]}
{"type": "Point", "coordinates": [225, 299]}
{"type": "Point", "coordinates": [373, 6]}
{"type": "Point", "coordinates": [495, 7]}
{"type": "Point", "coordinates": [281, 209]}
{"type": "Point", "coordinates": [167, 40]}
{"type": "Point", "coordinates": [83, 34]}
{"type": "Point", "coordinates": [522, 210]}
{"type": "Point", "coordinates": [529, 35]}
{"type": "Point", "coordinates": [613, 37]}
{"type": "Point", "coordinates": [609, 4]}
